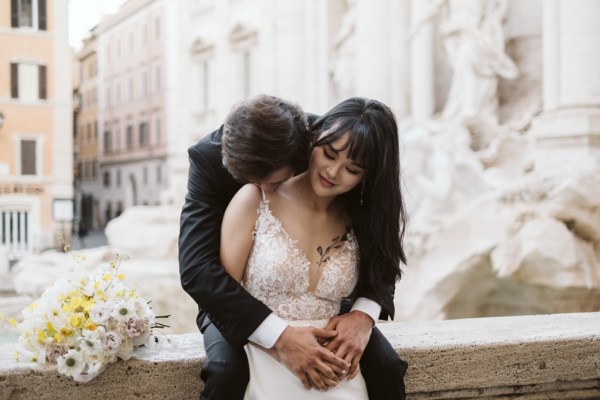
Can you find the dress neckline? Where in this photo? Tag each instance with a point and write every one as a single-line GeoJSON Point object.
{"type": "Point", "coordinates": [264, 205]}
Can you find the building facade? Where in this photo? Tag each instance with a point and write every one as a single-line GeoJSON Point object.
{"type": "Point", "coordinates": [131, 51]}
{"type": "Point", "coordinates": [36, 179]}
{"type": "Point", "coordinates": [86, 139]}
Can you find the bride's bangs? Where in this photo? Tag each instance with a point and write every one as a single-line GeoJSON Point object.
{"type": "Point", "coordinates": [358, 143]}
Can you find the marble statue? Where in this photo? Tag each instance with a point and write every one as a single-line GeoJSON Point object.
{"type": "Point", "coordinates": [343, 66]}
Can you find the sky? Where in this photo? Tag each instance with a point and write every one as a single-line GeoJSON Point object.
{"type": "Point", "coordinates": [84, 14]}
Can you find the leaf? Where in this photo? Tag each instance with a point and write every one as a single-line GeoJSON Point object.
{"type": "Point", "coordinates": [320, 250]}
{"type": "Point", "coordinates": [326, 259]}
{"type": "Point", "coordinates": [335, 239]}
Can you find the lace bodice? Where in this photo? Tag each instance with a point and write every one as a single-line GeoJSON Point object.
{"type": "Point", "coordinates": [277, 272]}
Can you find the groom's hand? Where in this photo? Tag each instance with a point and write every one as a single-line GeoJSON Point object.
{"type": "Point", "coordinates": [353, 333]}
{"type": "Point", "coordinates": [317, 367]}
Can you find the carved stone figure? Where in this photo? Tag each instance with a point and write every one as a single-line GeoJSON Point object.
{"type": "Point", "coordinates": [343, 66]}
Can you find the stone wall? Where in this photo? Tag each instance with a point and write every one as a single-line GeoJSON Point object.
{"type": "Point", "coordinates": [526, 357]}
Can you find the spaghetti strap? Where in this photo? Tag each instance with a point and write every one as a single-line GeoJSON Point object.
{"type": "Point", "coordinates": [262, 192]}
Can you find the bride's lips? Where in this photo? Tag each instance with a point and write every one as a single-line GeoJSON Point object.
{"type": "Point", "coordinates": [325, 182]}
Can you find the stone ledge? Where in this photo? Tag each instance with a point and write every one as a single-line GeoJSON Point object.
{"type": "Point", "coordinates": [528, 357]}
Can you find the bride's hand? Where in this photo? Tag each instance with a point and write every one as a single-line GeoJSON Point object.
{"type": "Point", "coordinates": [316, 366]}
{"type": "Point", "coordinates": [353, 333]}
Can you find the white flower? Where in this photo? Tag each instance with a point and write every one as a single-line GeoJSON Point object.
{"type": "Point", "coordinates": [90, 341]}
{"type": "Point", "coordinates": [111, 341]}
{"type": "Point", "coordinates": [126, 350]}
{"type": "Point", "coordinates": [71, 364]}
{"type": "Point", "coordinates": [56, 350]}
{"type": "Point", "coordinates": [123, 310]}
{"type": "Point", "coordinates": [101, 311]}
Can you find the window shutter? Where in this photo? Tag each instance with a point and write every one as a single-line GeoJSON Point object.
{"type": "Point", "coordinates": [14, 80]}
{"type": "Point", "coordinates": [14, 13]}
{"type": "Point", "coordinates": [42, 82]}
{"type": "Point", "coordinates": [28, 157]}
{"type": "Point", "coordinates": [42, 15]}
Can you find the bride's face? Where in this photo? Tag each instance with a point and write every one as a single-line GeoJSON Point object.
{"type": "Point", "coordinates": [332, 172]}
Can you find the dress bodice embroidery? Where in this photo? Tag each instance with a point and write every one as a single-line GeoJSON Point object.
{"type": "Point", "coordinates": [277, 272]}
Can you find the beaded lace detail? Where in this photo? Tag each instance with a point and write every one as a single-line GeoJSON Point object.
{"type": "Point", "coordinates": [277, 272]}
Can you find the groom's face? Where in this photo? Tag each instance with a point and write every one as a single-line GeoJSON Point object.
{"type": "Point", "coordinates": [276, 178]}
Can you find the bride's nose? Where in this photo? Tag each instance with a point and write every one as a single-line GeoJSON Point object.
{"type": "Point", "coordinates": [333, 169]}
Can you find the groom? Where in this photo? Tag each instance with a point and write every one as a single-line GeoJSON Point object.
{"type": "Point", "coordinates": [265, 140]}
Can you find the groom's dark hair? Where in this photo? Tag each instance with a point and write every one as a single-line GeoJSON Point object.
{"type": "Point", "coordinates": [263, 134]}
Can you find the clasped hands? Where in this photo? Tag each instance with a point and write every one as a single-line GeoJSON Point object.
{"type": "Point", "coordinates": [321, 358]}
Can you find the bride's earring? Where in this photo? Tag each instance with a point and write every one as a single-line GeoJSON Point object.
{"type": "Point", "coordinates": [362, 191]}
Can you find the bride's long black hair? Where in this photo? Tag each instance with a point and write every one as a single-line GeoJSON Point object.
{"type": "Point", "coordinates": [379, 222]}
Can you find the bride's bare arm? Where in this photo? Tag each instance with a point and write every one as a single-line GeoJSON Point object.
{"type": "Point", "coordinates": [236, 230]}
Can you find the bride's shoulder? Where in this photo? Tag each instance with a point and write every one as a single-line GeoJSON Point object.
{"type": "Point", "coordinates": [248, 197]}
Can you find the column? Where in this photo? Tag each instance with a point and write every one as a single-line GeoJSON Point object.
{"type": "Point", "coordinates": [567, 133]}
{"type": "Point", "coordinates": [421, 62]}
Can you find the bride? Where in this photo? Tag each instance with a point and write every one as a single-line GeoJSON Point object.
{"type": "Point", "coordinates": [320, 236]}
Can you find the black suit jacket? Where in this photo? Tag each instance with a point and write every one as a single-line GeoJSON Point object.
{"type": "Point", "coordinates": [227, 304]}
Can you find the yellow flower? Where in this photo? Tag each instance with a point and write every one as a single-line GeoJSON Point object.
{"type": "Point", "coordinates": [2, 317]}
{"type": "Point", "coordinates": [50, 328]}
{"type": "Point", "coordinates": [17, 355]}
{"type": "Point", "coordinates": [113, 264]}
{"type": "Point", "coordinates": [13, 322]}
{"type": "Point", "coordinates": [67, 248]}
{"type": "Point", "coordinates": [76, 321]}
{"type": "Point", "coordinates": [107, 277]}
{"type": "Point", "coordinates": [66, 331]}
{"type": "Point", "coordinates": [121, 277]}
{"type": "Point", "coordinates": [32, 306]}
{"type": "Point", "coordinates": [41, 335]}
{"type": "Point", "coordinates": [91, 325]}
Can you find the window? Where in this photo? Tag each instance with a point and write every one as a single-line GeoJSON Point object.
{"type": "Point", "coordinates": [28, 157]}
{"type": "Point", "coordinates": [129, 137]}
{"type": "Point", "coordinates": [108, 212]}
{"type": "Point", "coordinates": [157, 82]}
{"type": "Point", "coordinates": [106, 179]}
{"type": "Point", "coordinates": [118, 178]}
{"type": "Point", "coordinates": [89, 133]}
{"type": "Point", "coordinates": [202, 83]}
{"type": "Point", "coordinates": [145, 176]}
{"type": "Point", "coordinates": [130, 87]}
{"type": "Point", "coordinates": [28, 14]}
{"type": "Point", "coordinates": [144, 82]}
{"type": "Point", "coordinates": [157, 129]}
{"type": "Point", "coordinates": [143, 134]}
{"type": "Point", "coordinates": [117, 143]}
{"type": "Point", "coordinates": [158, 174]}
{"type": "Point", "coordinates": [247, 73]}
{"type": "Point", "coordinates": [107, 142]}
{"type": "Point", "coordinates": [28, 81]}
{"type": "Point", "coordinates": [94, 170]}
{"type": "Point", "coordinates": [95, 131]}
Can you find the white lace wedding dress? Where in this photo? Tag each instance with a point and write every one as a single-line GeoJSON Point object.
{"type": "Point", "coordinates": [277, 273]}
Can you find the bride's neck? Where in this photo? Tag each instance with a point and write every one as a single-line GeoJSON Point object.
{"type": "Point", "coordinates": [301, 189]}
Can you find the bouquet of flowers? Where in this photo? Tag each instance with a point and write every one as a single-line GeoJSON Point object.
{"type": "Point", "coordinates": [86, 321]}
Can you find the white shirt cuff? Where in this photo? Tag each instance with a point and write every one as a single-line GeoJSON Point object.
{"type": "Point", "coordinates": [267, 333]}
{"type": "Point", "coordinates": [369, 307]}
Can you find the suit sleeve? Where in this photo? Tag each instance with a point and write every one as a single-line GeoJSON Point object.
{"type": "Point", "coordinates": [229, 306]}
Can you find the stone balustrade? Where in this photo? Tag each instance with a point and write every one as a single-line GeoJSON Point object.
{"type": "Point", "coordinates": [526, 357]}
